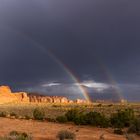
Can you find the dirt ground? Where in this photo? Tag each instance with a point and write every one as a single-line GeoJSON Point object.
{"type": "Point", "coordinates": [48, 131]}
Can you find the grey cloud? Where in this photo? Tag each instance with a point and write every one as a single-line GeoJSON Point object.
{"type": "Point", "coordinates": [95, 38]}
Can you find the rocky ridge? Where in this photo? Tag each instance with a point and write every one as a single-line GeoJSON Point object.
{"type": "Point", "coordinates": [7, 96]}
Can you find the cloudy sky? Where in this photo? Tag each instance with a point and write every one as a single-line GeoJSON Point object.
{"type": "Point", "coordinates": [44, 42]}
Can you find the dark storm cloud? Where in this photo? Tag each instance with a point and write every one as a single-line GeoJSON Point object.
{"type": "Point", "coordinates": [96, 39]}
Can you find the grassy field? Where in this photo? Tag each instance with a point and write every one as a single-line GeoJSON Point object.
{"type": "Point", "coordinates": [19, 117]}
{"type": "Point", "coordinates": [55, 110]}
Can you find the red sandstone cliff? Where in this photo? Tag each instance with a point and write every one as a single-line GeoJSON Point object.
{"type": "Point", "coordinates": [6, 96]}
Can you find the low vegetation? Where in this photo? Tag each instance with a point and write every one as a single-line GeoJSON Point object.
{"type": "Point", "coordinates": [39, 114]}
{"type": "Point", "coordinates": [135, 127]}
{"type": "Point", "coordinates": [14, 135]}
{"type": "Point", "coordinates": [2, 114]}
{"type": "Point", "coordinates": [62, 119]}
{"type": "Point", "coordinates": [123, 118]}
{"type": "Point", "coordinates": [64, 134]}
{"type": "Point", "coordinates": [118, 131]}
{"type": "Point", "coordinates": [118, 119]}
{"type": "Point", "coordinates": [90, 118]}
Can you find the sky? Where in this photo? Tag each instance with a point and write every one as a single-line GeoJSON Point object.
{"type": "Point", "coordinates": [52, 47]}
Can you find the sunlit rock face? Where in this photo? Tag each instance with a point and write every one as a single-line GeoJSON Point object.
{"type": "Point", "coordinates": [80, 101]}
{"type": "Point", "coordinates": [47, 99]}
{"type": "Point", "coordinates": [22, 97]}
{"type": "Point", "coordinates": [5, 90]}
{"type": "Point", "coordinates": [7, 96]}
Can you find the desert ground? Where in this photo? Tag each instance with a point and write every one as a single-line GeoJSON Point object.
{"type": "Point", "coordinates": [48, 130]}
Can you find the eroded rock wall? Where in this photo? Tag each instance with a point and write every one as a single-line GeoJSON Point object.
{"type": "Point", "coordinates": [6, 96]}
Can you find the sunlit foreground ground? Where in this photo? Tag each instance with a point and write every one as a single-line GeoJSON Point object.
{"type": "Point", "coordinates": [48, 130]}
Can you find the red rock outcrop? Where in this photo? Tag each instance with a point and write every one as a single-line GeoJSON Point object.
{"type": "Point", "coordinates": [47, 99]}
{"type": "Point", "coordinates": [80, 101]}
{"type": "Point", "coordinates": [5, 90]}
{"type": "Point", "coordinates": [22, 97]}
{"type": "Point", "coordinates": [7, 96]}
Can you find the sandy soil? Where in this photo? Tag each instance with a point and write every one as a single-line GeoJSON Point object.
{"type": "Point", "coordinates": [48, 131]}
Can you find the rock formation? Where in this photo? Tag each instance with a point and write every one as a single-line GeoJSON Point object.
{"type": "Point", "coordinates": [6, 96]}
{"type": "Point", "coordinates": [47, 99]}
{"type": "Point", "coordinates": [5, 90]}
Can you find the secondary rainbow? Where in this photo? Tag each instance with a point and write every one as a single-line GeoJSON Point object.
{"type": "Point", "coordinates": [67, 70]}
{"type": "Point", "coordinates": [76, 80]}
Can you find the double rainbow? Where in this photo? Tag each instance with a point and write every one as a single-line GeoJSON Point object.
{"type": "Point", "coordinates": [75, 79]}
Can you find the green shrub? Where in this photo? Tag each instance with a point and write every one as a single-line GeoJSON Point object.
{"type": "Point", "coordinates": [2, 114]}
{"type": "Point", "coordinates": [72, 114]}
{"type": "Point", "coordinates": [25, 135]}
{"type": "Point", "coordinates": [56, 106]}
{"type": "Point", "coordinates": [81, 119]}
{"type": "Point", "coordinates": [27, 117]}
{"type": "Point", "coordinates": [21, 137]}
{"type": "Point", "coordinates": [38, 114]}
{"type": "Point", "coordinates": [99, 105]}
{"type": "Point", "coordinates": [51, 119]}
{"type": "Point", "coordinates": [97, 119]}
{"type": "Point", "coordinates": [135, 127]}
{"type": "Point", "coordinates": [118, 131]}
{"type": "Point", "coordinates": [14, 115]}
{"type": "Point", "coordinates": [104, 122]}
{"type": "Point", "coordinates": [62, 119]}
{"type": "Point", "coordinates": [91, 118]}
{"type": "Point", "coordinates": [14, 133]}
{"type": "Point", "coordinates": [62, 135]}
{"type": "Point", "coordinates": [110, 105]}
{"type": "Point", "coordinates": [122, 119]}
